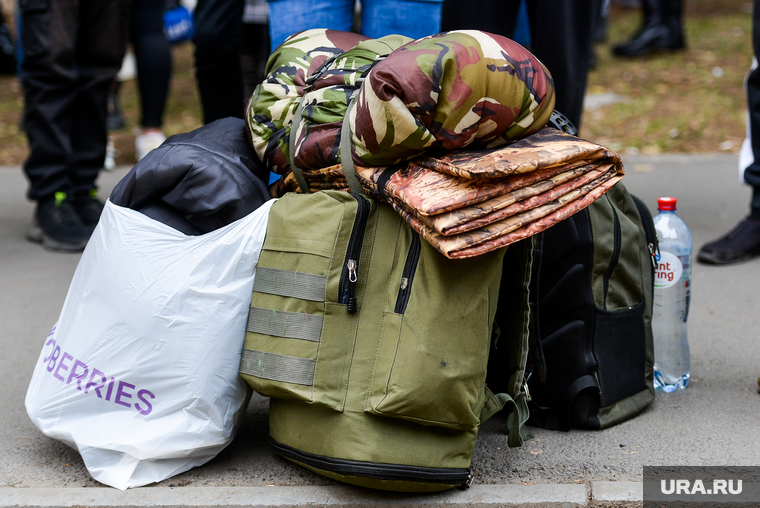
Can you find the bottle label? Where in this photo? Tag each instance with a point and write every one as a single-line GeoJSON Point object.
{"type": "Point", "coordinates": [669, 270]}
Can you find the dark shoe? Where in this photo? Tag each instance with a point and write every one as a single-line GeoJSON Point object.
{"type": "Point", "coordinates": [89, 208]}
{"type": "Point", "coordinates": [653, 38]}
{"type": "Point", "coordinates": [661, 30]}
{"type": "Point", "coordinates": [741, 244]}
{"type": "Point", "coordinates": [57, 226]}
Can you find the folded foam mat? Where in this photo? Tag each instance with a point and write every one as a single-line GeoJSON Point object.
{"type": "Point", "coordinates": [470, 202]}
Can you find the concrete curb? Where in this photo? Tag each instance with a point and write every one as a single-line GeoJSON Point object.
{"type": "Point", "coordinates": [617, 492]}
{"type": "Point", "coordinates": [566, 495]}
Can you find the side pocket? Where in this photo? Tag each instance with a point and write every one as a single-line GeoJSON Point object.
{"type": "Point", "coordinates": [430, 364]}
{"type": "Point", "coordinates": [299, 339]}
{"type": "Point", "coordinates": [434, 381]}
{"type": "Point", "coordinates": [620, 350]}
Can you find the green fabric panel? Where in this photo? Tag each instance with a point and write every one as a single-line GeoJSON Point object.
{"type": "Point", "coordinates": [440, 339]}
{"type": "Point", "coordinates": [287, 369]}
{"type": "Point", "coordinates": [296, 241]}
{"type": "Point", "coordinates": [357, 435]}
{"type": "Point", "coordinates": [293, 325]}
{"type": "Point", "coordinates": [625, 409]}
{"type": "Point", "coordinates": [626, 286]}
{"type": "Point", "coordinates": [493, 405]}
{"type": "Point", "coordinates": [305, 286]}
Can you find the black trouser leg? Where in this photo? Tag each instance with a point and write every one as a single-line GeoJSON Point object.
{"type": "Point", "coordinates": [218, 41]}
{"type": "Point", "coordinates": [72, 51]}
{"type": "Point", "coordinates": [562, 38]}
{"type": "Point", "coordinates": [154, 60]}
{"type": "Point", "coordinates": [752, 173]}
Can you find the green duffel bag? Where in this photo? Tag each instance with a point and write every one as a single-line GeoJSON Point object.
{"type": "Point", "coordinates": [373, 346]}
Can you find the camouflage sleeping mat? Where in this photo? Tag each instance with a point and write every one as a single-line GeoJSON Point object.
{"type": "Point", "coordinates": [470, 202]}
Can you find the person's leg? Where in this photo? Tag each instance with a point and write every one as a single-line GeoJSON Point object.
{"type": "Point", "coordinates": [752, 171]}
{"type": "Point", "coordinates": [412, 18]}
{"type": "Point", "coordinates": [49, 79]}
{"type": "Point", "coordinates": [255, 55]}
{"type": "Point", "coordinates": [154, 60]}
{"type": "Point", "coordinates": [154, 67]}
{"type": "Point", "coordinates": [49, 83]}
{"type": "Point", "coordinates": [561, 38]}
{"type": "Point", "coordinates": [494, 16]}
{"type": "Point", "coordinates": [218, 41]}
{"type": "Point", "coordinates": [100, 50]}
{"type": "Point", "coordinates": [287, 17]}
{"type": "Point", "coordinates": [743, 242]}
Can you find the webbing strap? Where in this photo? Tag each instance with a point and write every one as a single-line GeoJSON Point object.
{"type": "Point", "coordinates": [517, 417]}
{"type": "Point", "coordinates": [291, 325]}
{"type": "Point", "coordinates": [287, 369]}
{"type": "Point", "coordinates": [346, 160]}
{"type": "Point", "coordinates": [305, 286]}
{"type": "Point", "coordinates": [297, 172]}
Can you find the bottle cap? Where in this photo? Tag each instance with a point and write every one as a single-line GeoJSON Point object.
{"type": "Point", "coordinates": [666, 203]}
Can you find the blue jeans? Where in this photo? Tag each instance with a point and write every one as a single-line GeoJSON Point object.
{"type": "Point", "coordinates": [412, 18]}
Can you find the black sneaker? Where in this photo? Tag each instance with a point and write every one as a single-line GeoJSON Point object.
{"type": "Point", "coordinates": [740, 244]}
{"type": "Point", "coordinates": [57, 226]}
{"type": "Point", "coordinates": [89, 208]}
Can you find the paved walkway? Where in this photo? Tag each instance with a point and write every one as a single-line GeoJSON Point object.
{"type": "Point", "coordinates": [715, 421]}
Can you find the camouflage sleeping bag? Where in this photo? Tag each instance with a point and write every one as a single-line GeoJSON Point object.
{"type": "Point", "coordinates": [445, 92]}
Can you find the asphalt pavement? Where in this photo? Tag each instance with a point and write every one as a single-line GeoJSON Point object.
{"type": "Point", "coordinates": [714, 422]}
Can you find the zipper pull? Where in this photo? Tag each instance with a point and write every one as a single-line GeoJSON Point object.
{"type": "Point", "coordinates": [654, 256]}
{"type": "Point", "coordinates": [351, 304]}
{"type": "Point", "coordinates": [404, 283]}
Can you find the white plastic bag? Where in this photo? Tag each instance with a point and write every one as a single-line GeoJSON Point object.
{"type": "Point", "coordinates": [140, 373]}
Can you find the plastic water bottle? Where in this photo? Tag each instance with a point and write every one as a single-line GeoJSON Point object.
{"type": "Point", "coordinates": [672, 287]}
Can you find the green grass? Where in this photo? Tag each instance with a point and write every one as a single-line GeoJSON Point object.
{"type": "Point", "coordinates": [690, 101]}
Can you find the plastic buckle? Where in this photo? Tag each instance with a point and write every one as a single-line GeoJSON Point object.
{"type": "Point", "coordinates": [560, 122]}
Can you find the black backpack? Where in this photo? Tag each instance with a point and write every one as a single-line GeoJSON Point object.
{"type": "Point", "coordinates": [590, 362]}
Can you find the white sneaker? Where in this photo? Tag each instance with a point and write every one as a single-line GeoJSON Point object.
{"type": "Point", "coordinates": [144, 143]}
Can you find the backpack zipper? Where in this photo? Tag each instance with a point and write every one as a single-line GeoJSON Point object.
{"type": "Point", "coordinates": [396, 472]}
{"type": "Point", "coordinates": [617, 246]}
{"type": "Point", "coordinates": [349, 276]}
{"type": "Point", "coordinates": [649, 232]}
{"type": "Point", "coordinates": [407, 276]}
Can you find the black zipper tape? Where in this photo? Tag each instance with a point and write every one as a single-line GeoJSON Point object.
{"type": "Point", "coordinates": [407, 277]}
{"type": "Point", "coordinates": [394, 472]}
{"type": "Point", "coordinates": [349, 275]}
{"type": "Point", "coordinates": [649, 231]}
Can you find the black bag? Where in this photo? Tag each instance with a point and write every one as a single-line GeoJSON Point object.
{"type": "Point", "coordinates": [591, 355]}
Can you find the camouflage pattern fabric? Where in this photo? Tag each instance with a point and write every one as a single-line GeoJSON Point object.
{"type": "Point", "coordinates": [518, 191]}
{"type": "Point", "coordinates": [270, 111]}
{"type": "Point", "coordinates": [444, 92]}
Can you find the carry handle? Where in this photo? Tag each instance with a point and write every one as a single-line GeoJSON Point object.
{"type": "Point", "coordinates": [297, 172]}
{"type": "Point", "coordinates": [346, 159]}
{"type": "Point", "coordinates": [518, 415]}
{"type": "Point", "coordinates": [349, 170]}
